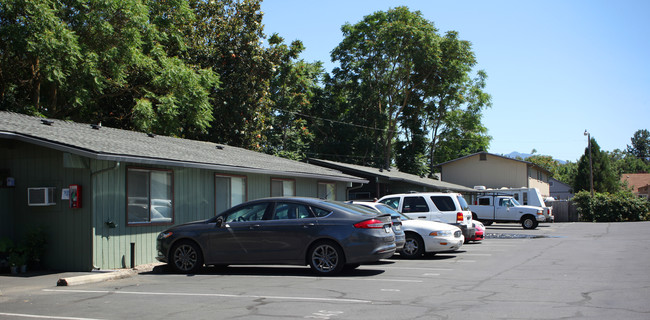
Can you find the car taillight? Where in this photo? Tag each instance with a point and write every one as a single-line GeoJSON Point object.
{"type": "Point", "coordinates": [370, 224]}
{"type": "Point", "coordinates": [460, 217]}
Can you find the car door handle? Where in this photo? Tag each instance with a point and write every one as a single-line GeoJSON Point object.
{"type": "Point", "coordinates": [422, 217]}
{"type": "Point", "coordinates": [255, 226]}
{"type": "Point", "coordinates": [307, 225]}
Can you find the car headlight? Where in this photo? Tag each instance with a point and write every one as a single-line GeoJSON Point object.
{"type": "Point", "coordinates": [164, 235]}
{"type": "Point", "coordinates": [441, 233]}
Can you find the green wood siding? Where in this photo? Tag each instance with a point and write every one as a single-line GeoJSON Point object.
{"type": "Point", "coordinates": [80, 239]}
{"type": "Point", "coordinates": [68, 230]}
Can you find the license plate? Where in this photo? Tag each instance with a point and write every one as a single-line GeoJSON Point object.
{"type": "Point", "coordinates": [387, 229]}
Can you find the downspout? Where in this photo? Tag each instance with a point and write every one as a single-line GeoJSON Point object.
{"type": "Point", "coordinates": [347, 192]}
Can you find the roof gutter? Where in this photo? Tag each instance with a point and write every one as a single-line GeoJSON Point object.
{"type": "Point", "coordinates": [168, 162]}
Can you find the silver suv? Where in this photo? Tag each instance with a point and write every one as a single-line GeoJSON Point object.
{"type": "Point", "coordinates": [444, 207]}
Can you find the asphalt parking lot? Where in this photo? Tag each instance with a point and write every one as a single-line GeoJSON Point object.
{"type": "Point", "coordinates": [562, 270]}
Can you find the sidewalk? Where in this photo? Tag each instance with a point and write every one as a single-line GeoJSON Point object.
{"type": "Point", "coordinates": [11, 283]}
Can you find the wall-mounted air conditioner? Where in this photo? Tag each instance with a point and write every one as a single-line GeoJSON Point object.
{"type": "Point", "coordinates": [43, 196]}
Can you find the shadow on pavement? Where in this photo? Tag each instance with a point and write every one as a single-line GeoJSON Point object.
{"type": "Point", "coordinates": [289, 271]}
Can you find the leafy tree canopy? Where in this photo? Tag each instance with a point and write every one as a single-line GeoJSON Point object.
{"type": "Point", "coordinates": [640, 147]}
{"type": "Point", "coordinates": [103, 61]}
{"type": "Point", "coordinates": [397, 80]}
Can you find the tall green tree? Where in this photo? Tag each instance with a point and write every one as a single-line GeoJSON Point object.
{"type": "Point", "coordinates": [228, 39]}
{"type": "Point", "coordinates": [640, 147]}
{"type": "Point", "coordinates": [386, 60]}
{"type": "Point", "coordinates": [455, 102]}
{"type": "Point", "coordinates": [604, 177]}
{"type": "Point", "coordinates": [292, 90]}
{"type": "Point", "coordinates": [397, 82]}
{"type": "Point", "coordinates": [102, 61]}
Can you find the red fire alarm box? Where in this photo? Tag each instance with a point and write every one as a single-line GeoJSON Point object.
{"type": "Point", "coordinates": [75, 196]}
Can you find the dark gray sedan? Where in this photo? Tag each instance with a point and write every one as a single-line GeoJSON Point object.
{"type": "Point", "coordinates": [328, 236]}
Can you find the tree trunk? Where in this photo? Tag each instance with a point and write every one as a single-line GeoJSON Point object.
{"type": "Point", "coordinates": [36, 85]}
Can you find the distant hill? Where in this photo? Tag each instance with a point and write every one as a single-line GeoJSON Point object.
{"type": "Point", "coordinates": [524, 156]}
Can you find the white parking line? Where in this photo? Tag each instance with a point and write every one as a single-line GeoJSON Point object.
{"type": "Point", "coordinates": [36, 316]}
{"type": "Point", "coordinates": [430, 269]}
{"type": "Point", "coordinates": [222, 295]}
{"type": "Point", "coordinates": [337, 278]}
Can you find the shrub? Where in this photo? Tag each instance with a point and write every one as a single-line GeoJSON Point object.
{"type": "Point", "coordinates": [616, 207]}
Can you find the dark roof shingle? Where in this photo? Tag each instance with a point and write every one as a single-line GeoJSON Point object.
{"type": "Point", "coordinates": [122, 145]}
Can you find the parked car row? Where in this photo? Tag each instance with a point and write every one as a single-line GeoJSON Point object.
{"type": "Point", "coordinates": [328, 236]}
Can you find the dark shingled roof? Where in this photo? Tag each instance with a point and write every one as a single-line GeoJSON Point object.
{"type": "Point", "coordinates": [112, 144]}
{"type": "Point", "coordinates": [392, 175]}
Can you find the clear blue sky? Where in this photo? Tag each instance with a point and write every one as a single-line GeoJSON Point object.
{"type": "Point", "coordinates": [555, 67]}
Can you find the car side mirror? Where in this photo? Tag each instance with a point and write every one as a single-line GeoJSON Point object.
{"type": "Point", "coordinates": [219, 222]}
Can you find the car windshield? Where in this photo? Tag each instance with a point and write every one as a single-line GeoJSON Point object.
{"type": "Point", "coordinates": [514, 202]}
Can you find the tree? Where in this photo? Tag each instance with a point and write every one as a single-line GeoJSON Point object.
{"type": "Point", "coordinates": [453, 89]}
{"type": "Point", "coordinates": [462, 134]}
{"type": "Point", "coordinates": [567, 172]}
{"type": "Point", "coordinates": [227, 38]}
{"type": "Point", "coordinates": [546, 162]}
{"type": "Point", "coordinates": [386, 60]}
{"type": "Point", "coordinates": [292, 89]}
{"type": "Point", "coordinates": [624, 162]}
{"type": "Point", "coordinates": [604, 177]}
{"type": "Point", "coordinates": [102, 61]}
{"type": "Point", "coordinates": [397, 80]}
{"type": "Point", "coordinates": [640, 147]}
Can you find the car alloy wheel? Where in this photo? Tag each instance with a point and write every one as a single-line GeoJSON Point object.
{"type": "Point", "coordinates": [186, 257]}
{"type": "Point", "coordinates": [413, 248]}
{"type": "Point", "coordinates": [326, 258]}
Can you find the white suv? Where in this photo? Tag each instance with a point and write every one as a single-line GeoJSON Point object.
{"type": "Point", "coordinates": [444, 207]}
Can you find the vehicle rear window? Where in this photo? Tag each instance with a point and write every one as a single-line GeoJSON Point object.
{"type": "Point", "coordinates": [444, 203]}
{"type": "Point", "coordinates": [351, 208]}
{"type": "Point", "coordinates": [415, 204]}
{"type": "Point", "coordinates": [463, 204]}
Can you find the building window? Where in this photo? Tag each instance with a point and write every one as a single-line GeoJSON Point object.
{"type": "Point", "coordinates": [150, 196]}
{"type": "Point", "coordinates": [283, 187]}
{"type": "Point", "coordinates": [229, 191]}
{"type": "Point", "coordinates": [482, 157]}
{"type": "Point", "coordinates": [327, 191]}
